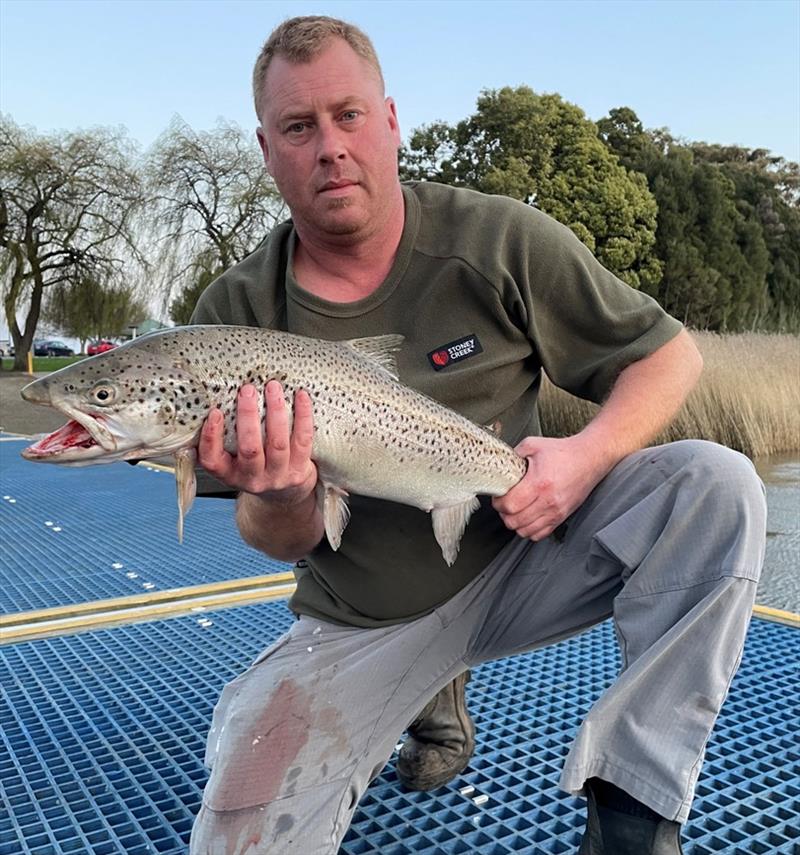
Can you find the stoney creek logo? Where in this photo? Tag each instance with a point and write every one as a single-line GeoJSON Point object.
{"type": "Point", "coordinates": [455, 351]}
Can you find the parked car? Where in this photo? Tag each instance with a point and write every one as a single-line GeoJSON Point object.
{"type": "Point", "coordinates": [51, 347]}
{"type": "Point", "coordinates": [100, 346]}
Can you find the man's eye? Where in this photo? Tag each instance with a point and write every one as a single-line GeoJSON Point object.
{"type": "Point", "coordinates": [350, 115]}
{"type": "Point", "coordinates": [296, 128]}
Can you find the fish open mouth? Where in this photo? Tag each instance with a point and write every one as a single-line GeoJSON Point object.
{"type": "Point", "coordinates": [71, 436]}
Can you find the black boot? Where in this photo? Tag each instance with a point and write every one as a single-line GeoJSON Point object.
{"type": "Point", "coordinates": [617, 824]}
{"type": "Point", "coordinates": [441, 740]}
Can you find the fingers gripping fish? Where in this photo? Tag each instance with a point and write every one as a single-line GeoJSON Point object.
{"type": "Point", "coordinates": [372, 434]}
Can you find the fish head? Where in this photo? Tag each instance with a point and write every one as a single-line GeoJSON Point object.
{"type": "Point", "coordinates": [129, 403]}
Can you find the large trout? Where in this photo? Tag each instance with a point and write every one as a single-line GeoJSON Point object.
{"type": "Point", "coordinates": [372, 435]}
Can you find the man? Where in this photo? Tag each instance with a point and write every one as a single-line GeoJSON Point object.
{"type": "Point", "coordinates": [669, 540]}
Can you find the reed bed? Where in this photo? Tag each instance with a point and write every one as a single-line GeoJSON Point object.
{"type": "Point", "coordinates": [748, 397]}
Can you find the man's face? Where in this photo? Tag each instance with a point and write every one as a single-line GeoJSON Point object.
{"type": "Point", "coordinates": [330, 141]}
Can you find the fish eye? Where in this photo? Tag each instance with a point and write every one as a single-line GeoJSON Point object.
{"type": "Point", "coordinates": [102, 394]}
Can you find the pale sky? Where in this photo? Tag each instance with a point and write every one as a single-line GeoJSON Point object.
{"type": "Point", "coordinates": [723, 71]}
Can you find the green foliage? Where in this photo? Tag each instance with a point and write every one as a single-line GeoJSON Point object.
{"type": "Point", "coordinates": [544, 151]}
{"type": "Point", "coordinates": [89, 309]}
{"type": "Point", "coordinates": [727, 227]}
{"type": "Point", "coordinates": [203, 274]}
{"type": "Point", "coordinates": [767, 192]}
{"type": "Point", "coordinates": [711, 231]}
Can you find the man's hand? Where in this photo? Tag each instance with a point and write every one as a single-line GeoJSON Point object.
{"type": "Point", "coordinates": [278, 468]}
{"type": "Point", "coordinates": [561, 474]}
{"type": "Point", "coordinates": [277, 510]}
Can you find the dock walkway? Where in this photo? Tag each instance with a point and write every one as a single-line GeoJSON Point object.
{"type": "Point", "coordinates": [116, 642]}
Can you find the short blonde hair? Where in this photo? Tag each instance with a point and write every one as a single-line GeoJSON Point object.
{"type": "Point", "coordinates": [303, 38]}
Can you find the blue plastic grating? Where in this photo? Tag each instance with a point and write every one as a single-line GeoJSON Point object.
{"type": "Point", "coordinates": [71, 535]}
{"type": "Point", "coordinates": [103, 736]}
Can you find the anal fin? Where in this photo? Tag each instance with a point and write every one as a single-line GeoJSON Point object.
{"type": "Point", "coordinates": [335, 513]}
{"type": "Point", "coordinates": [449, 524]}
{"type": "Point", "coordinates": [186, 483]}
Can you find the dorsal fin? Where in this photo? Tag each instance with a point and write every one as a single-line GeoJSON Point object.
{"type": "Point", "coordinates": [380, 349]}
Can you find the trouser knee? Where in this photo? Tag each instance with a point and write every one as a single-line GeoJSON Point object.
{"type": "Point", "coordinates": [727, 499]}
{"type": "Point", "coordinates": [726, 475]}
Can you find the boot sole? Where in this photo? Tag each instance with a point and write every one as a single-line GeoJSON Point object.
{"type": "Point", "coordinates": [425, 784]}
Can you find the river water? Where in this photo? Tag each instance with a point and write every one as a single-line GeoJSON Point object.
{"type": "Point", "coordinates": [780, 580]}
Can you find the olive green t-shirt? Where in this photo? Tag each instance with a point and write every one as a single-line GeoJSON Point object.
{"type": "Point", "coordinates": [487, 292]}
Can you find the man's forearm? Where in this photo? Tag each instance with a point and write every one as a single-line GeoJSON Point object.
{"type": "Point", "coordinates": [286, 533]}
{"type": "Point", "coordinates": [644, 400]}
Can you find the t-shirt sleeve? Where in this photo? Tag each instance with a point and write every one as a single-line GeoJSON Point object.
{"type": "Point", "coordinates": [586, 323]}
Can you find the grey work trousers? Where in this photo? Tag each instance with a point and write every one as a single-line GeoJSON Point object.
{"type": "Point", "coordinates": [670, 544]}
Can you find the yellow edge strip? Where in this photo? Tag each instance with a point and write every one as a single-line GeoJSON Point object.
{"type": "Point", "coordinates": [778, 615]}
{"type": "Point", "coordinates": [147, 600]}
{"type": "Point", "coordinates": [19, 627]}
{"type": "Point", "coordinates": [24, 630]}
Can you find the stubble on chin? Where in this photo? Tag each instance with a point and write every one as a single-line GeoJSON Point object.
{"type": "Point", "coordinates": [339, 203]}
{"type": "Point", "coordinates": [350, 226]}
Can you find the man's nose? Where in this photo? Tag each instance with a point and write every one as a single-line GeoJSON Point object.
{"type": "Point", "coordinates": [330, 143]}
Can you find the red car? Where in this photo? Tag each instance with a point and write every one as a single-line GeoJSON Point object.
{"type": "Point", "coordinates": [100, 347]}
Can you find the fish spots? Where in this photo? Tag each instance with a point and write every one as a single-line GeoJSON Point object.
{"type": "Point", "coordinates": [365, 423]}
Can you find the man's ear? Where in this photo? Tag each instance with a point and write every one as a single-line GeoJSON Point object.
{"type": "Point", "coordinates": [394, 124]}
{"type": "Point", "coordinates": [262, 141]}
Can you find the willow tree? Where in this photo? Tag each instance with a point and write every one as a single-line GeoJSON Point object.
{"type": "Point", "coordinates": [543, 151]}
{"type": "Point", "coordinates": [213, 203]}
{"type": "Point", "coordinates": [91, 309]}
{"type": "Point", "coordinates": [67, 206]}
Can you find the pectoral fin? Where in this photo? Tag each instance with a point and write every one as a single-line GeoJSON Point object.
{"type": "Point", "coordinates": [335, 513]}
{"type": "Point", "coordinates": [449, 524]}
{"type": "Point", "coordinates": [186, 482]}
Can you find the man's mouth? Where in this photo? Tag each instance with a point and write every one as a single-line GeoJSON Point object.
{"type": "Point", "coordinates": [335, 187]}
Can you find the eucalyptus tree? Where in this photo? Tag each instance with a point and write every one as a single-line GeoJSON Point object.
{"type": "Point", "coordinates": [67, 207]}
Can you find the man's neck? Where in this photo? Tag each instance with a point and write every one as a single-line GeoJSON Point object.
{"type": "Point", "coordinates": [346, 272]}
